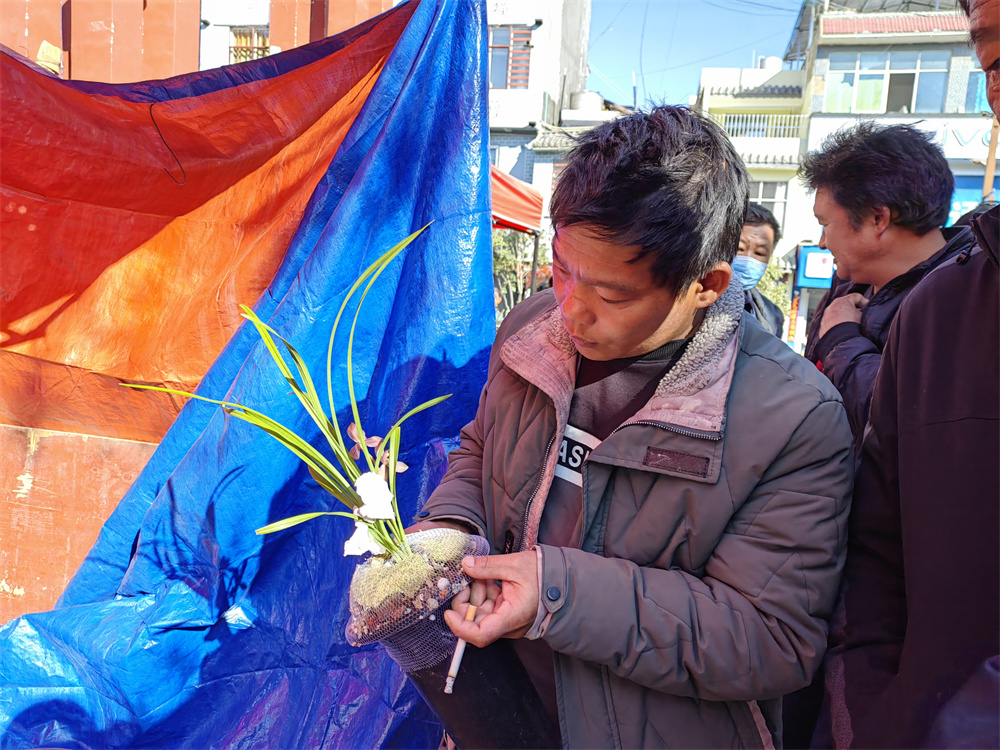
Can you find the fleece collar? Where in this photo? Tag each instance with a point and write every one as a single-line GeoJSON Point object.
{"type": "Point", "coordinates": [691, 395]}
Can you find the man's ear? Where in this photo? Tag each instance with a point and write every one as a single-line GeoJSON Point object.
{"type": "Point", "coordinates": [711, 286]}
{"type": "Point", "coordinates": [881, 218]}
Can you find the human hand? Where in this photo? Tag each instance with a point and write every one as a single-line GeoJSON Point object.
{"type": "Point", "coordinates": [846, 309]}
{"type": "Point", "coordinates": [507, 610]}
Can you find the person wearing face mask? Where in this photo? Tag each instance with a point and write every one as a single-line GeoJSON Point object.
{"type": "Point", "coordinates": [760, 234]}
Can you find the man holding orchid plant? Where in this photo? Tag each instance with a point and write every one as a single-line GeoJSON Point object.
{"type": "Point", "coordinates": [665, 485]}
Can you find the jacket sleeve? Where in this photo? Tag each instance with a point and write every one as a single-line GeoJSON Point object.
{"type": "Point", "coordinates": [754, 625]}
{"type": "Point", "coordinates": [851, 361]}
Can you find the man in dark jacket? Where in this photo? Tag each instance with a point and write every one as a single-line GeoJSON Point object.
{"type": "Point", "coordinates": [760, 234]}
{"type": "Point", "coordinates": [882, 196]}
{"type": "Point", "coordinates": [662, 482]}
{"type": "Point", "coordinates": [914, 650]}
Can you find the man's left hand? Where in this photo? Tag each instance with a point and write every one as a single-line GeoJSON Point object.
{"type": "Point", "coordinates": [509, 610]}
{"type": "Point", "coordinates": [846, 309]}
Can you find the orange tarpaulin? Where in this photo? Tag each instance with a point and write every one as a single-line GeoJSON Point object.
{"type": "Point", "coordinates": [136, 271]}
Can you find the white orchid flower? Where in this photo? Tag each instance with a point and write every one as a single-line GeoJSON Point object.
{"type": "Point", "coordinates": [376, 498]}
{"type": "Point", "coordinates": [362, 542]}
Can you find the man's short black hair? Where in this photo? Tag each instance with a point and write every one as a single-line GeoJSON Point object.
{"type": "Point", "coordinates": [868, 166]}
{"type": "Point", "coordinates": [668, 181]}
{"type": "Point", "coordinates": [964, 5]}
{"type": "Point", "coordinates": [758, 216]}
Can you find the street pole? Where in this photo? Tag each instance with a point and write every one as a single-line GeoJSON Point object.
{"type": "Point", "coordinates": [991, 160]}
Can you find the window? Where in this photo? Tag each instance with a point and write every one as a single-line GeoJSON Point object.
{"type": "Point", "coordinates": [510, 55]}
{"type": "Point", "coordinates": [975, 94]}
{"type": "Point", "coordinates": [249, 43]}
{"type": "Point", "coordinates": [770, 195]}
{"type": "Point", "coordinates": [876, 82]}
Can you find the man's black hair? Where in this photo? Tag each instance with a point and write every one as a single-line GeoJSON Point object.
{"type": "Point", "coordinates": [668, 181]}
{"type": "Point", "coordinates": [964, 5]}
{"type": "Point", "coordinates": [758, 216]}
{"type": "Point", "coordinates": [868, 166]}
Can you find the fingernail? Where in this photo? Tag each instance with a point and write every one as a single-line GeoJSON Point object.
{"type": "Point", "coordinates": [469, 562]}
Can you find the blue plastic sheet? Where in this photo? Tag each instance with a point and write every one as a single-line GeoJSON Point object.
{"type": "Point", "coordinates": [183, 628]}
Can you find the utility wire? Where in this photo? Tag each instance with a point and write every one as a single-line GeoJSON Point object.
{"type": "Point", "coordinates": [612, 84]}
{"type": "Point", "coordinates": [670, 40]}
{"type": "Point", "coordinates": [721, 54]}
{"type": "Point", "coordinates": [747, 12]}
{"type": "Point", "coordinates": [608, 27]}
{"type": "Point", "coordinates": [642, 39]}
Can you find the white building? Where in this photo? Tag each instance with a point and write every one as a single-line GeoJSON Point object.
{"type": "Point", "coordinates": [538, 69]}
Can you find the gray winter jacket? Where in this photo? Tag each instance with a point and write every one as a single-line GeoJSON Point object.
{"type": "Point", "coordinates": [714, 529]}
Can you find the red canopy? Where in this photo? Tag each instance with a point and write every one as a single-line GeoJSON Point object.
{"type": "Point", "coordinates": [516, 204]}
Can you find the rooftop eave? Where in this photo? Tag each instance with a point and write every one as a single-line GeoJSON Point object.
{"type": "Point", "coordinates": [798, 43]}
{"type": "Point", "coordinates": [555, 140]}
{"type": "Point", "coordinates": [864, 38]}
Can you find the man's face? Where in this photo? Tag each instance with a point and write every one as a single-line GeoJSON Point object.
{"type": "Point", "coordinates": [984, 27]}
{"type": "Point", "coordinates": [610, 307]}
{"type": "Point", "coordinates": [757, 241]}
{"type": "Point", "coordinates": [853, 249]}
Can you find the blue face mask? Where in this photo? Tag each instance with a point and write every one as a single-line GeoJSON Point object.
{"type": "Point", "coordinates": [748, 270]}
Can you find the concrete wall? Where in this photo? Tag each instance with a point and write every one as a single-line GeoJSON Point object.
{"type": "Point", "coordinates": [25, 25]}
{"type": "Point", "coordinates": [114, 41]}
{"type": "Point", "coordinates": [122, 41]}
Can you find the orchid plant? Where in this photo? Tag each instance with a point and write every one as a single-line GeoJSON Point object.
{"type": "Point", "coordinates": [370, 496]}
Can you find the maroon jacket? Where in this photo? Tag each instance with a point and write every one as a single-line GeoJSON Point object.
{"type": "Point", "coordinates": [921, 595]}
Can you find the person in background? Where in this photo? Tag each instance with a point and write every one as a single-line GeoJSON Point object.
{"type": "Point", "coordinates": [760, 234]}
{"type": "Point", "coordinates": [882, 196]}
{"type": "Point", "coordinates": [915, 647]}
{"type": "Point", "coordinates": [663, 483]}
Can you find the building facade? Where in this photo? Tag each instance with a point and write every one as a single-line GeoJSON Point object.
{"type": "Point", "coordinates": [124, 41]}
{"type": "Point", "coordinates": [891, 61]}
{"type": "Point", "coordinates": [538, 70]}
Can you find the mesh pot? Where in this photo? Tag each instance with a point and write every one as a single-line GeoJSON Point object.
{"type": "Point", "coordinates": [400, 602]}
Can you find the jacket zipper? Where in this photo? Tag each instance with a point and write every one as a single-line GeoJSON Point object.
{"type": "Point", "coordinates": [702, 434]}
{"type": "Point", "coordinates": [534, 493]}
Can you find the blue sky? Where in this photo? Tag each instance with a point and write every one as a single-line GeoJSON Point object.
{"type": "Point", "coordinates": [667, 43]}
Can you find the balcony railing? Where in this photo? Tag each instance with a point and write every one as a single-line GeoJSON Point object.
{"type": "Point", "coordinates": [762, 126]}
{"type": "Point", "coordinates": [241, 53]}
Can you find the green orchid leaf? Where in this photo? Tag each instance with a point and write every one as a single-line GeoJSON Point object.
{"type": "Point", "coordinates": [279, 432]}
{"type": "Point", "coordinates": [418, 409]}
{"type": "Point", "coordinates": [330, 487]}
{"type": "Point", "coordinates": [287, 523]}
{"type": "Point", "coordinates": [301, 448]}
{"type": "Point", "coordinates": [307, 394]}
{"type": "Point", "coordinates": [392, 441]}
{"type": "Point", "coordinates": [374, 268]}
{"type": "Point", "coordinates": [265, 334]}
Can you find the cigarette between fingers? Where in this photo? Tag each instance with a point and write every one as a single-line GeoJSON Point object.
{"type": "Point", "coordinates": [456, 659]}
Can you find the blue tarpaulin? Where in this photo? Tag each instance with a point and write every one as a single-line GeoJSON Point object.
{"type": "Point", "coordinates": [183, 628]}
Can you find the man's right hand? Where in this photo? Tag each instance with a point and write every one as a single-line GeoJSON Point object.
{"type": "Point", "coordinates": [846, 309]}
